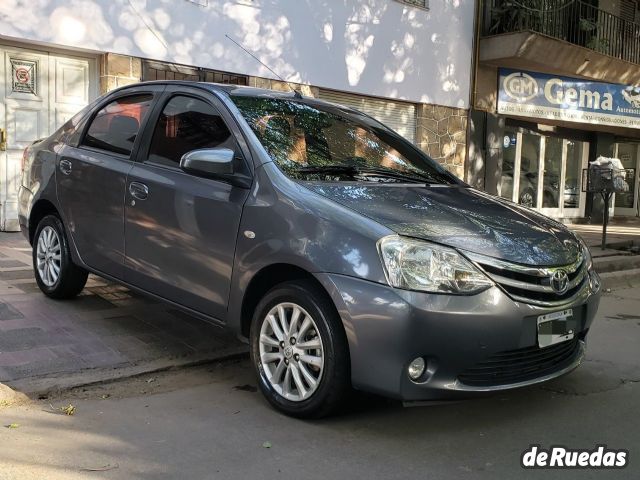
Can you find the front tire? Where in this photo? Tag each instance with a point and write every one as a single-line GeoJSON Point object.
{"type": "Point", "coordinates": [56, 274]}
{"type": "Point", "coordinates": [299, 350]}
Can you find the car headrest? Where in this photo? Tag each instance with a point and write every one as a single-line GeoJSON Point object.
{"type": "Point", "coordinates": [124, 124]}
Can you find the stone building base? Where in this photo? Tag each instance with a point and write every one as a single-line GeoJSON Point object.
{"type": "Point", "coordinates": [442, 133]}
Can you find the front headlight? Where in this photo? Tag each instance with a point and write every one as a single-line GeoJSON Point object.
{"type": "Point", "coordinates": [586, 252]}
{"type": "Point", "coordinates": [427, 267]}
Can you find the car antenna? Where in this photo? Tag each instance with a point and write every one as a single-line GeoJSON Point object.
{"type": "Point", "coordinates": [296, 93]}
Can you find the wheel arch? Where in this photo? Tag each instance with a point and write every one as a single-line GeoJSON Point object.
{"type": "Point", "coordinates": [40, 209]}
{"type": "Point", "coordinates": [267, 278]}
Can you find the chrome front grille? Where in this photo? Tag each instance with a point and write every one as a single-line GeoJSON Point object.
{"type": "Point", "coordinates": [534, 284]}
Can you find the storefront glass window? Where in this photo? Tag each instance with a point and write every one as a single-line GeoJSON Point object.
{"type": "Point", "coordinates": [573, 174]}
{"type": "Point", "coordinates": [543, 171]}
{"type": "Point", "coordinates": [552, 172]}
{"type": "Point", "coordinates": [508, 163]}
{"type": "Point", "coordinates": [627, 155]}
{"type": "Point", "coordinates": [530, 158]}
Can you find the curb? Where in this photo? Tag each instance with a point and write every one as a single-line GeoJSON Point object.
{"type": "Point", "coordinates": [56, 383]}
{"type": "Point", "coordinates": [611, 264]}
{"type": "Point", "coordinates": [621, 278]}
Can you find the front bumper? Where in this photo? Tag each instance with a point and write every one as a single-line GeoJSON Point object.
{"type": "Point", "coordinates": [386, 328]}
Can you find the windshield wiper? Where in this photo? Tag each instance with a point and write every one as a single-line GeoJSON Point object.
{"type": "Point", "coordinates": [353, 171]}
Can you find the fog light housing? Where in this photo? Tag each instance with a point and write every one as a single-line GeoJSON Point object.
{"type": "Point", "coordinates": [416, 368]}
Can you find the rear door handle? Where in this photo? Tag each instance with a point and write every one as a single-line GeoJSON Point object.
{"type": "Point", "coordinates": [139, 190]}
{"type": "Point", "coordinates": [65, 166]}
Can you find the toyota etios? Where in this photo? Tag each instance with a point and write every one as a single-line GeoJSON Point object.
{"type": "Point", "coordinates": [344, 254]}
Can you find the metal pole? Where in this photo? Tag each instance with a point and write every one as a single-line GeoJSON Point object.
{"type": "Point", "coordinates": [606, 196]}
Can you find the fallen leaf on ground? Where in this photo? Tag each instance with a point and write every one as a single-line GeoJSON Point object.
{"type": "Point", "coordinates": [266, 444]}
{"type": "Point", "coordinates": [68, 410]}
{"type": "Point", "coordinates": [13, 425]}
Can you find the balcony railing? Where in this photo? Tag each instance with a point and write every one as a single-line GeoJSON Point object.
{"type": "Point", "coordinates": [575, 21]}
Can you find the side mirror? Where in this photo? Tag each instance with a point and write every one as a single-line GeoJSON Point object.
{"type": "Point", "coordinates": [208, 162]}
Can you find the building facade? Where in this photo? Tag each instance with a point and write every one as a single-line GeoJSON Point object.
{"type": "Point", "coordinates": [405, 62]}
{"type": "Point", "coordinates": [556, 86]}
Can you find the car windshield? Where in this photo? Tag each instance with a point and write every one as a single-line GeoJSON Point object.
{"type": "Point", "coordinates": [314, 141]}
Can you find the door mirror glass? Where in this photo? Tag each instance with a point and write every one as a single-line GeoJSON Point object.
{"type": "Point", "coordinates": [208, 162]}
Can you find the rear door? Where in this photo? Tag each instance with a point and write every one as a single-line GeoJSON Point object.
{"type": "Point", "coordinates": [91, 178]}
{"type": "Point", "coordinates": [180, 229]}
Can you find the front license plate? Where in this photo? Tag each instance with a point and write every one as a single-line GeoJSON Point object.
{"type": "Point", "coordinates": [555, 327]}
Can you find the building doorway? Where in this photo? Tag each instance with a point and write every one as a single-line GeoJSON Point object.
{"type": "Point", "coordinates": [626, 204]}
{"type": "Point", "coordinates": [543, 172]}
{"type": "Point", "coordinates": [39, 91]}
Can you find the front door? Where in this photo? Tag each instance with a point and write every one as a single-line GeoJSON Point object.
{"type": "Point", "coordinates": [626, 204]}
{"type": "Point", "coordinates": [543, 172]}
{"type": "Point", "coordinates": [91, 178]}
{"type": "Point", "coordinates": [180, 229]}
{"type": "Point", "coordinates": [39, 91]}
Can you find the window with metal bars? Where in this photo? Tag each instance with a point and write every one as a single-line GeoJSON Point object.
{"type": "Point", "coordinates": [166, 71]}
{"type": "Point", "coordinates": [416, 3]}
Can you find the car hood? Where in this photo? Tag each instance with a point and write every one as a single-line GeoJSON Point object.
{"type": "Point", "coordinates": [460, 217]}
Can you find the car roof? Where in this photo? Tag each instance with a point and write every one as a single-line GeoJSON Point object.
{"type": "Point", "coordinates": [241, 90]}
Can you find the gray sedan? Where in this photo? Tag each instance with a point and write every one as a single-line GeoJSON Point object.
{"type": "Point", "coordinates": [345, 255]}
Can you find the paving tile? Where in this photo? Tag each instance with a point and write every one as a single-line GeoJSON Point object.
{"type": "Point", "coordinates": [108, 326]}
{"type": "Point", "coordinates": [30, 287]}
{"type": "Point", "coordinates": [16, 274]}
{"type": "Point", "coordinates": [46, 367]}
{"type": "Point", "coordinates": [8, 312]}
{"type": "Point", "coordinates": [23, 339]}
{"type": "Point", "coordinates": [10, 359]}
{"type": "Point", "coordinates": [128, 323]}
{"type": "Point", "coordinates": [14, 264]}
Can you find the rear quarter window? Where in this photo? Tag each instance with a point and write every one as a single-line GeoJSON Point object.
{"type": "Point", "coordinates": [115, 127]}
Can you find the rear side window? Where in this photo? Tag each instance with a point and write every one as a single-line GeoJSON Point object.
{"type": "Point", "coordinates": [115, 127]}
{"type": "Point", "coordinates": [186, 124]}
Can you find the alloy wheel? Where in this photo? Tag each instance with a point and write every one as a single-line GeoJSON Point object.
{"type": "Point", "coordinates": [48, 255]}
{"type": "Point", "coordinates": [291, 351]}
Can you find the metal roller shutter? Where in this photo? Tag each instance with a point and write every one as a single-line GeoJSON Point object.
{"type": "Point", "coordinates": [399, 116]}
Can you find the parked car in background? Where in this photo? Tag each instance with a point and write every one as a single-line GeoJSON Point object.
{"type": "Point", "coordinates": [342, 253]}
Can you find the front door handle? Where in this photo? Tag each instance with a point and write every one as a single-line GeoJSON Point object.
{"type": "Point", "coordinates": [65, 166]}
{"type": "Point", "coordinates": [139, 190]}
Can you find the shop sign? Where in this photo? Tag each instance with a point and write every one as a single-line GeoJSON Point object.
{"type": "Point", "coordinates": [23, 76]}
{"type": "Point", "coordinates": [543, 96]}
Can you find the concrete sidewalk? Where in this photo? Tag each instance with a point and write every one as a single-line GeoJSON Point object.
{"type": "Point", "coordinates": [619, 231]}
{"type": "Point", "coordinates": [107, 327]}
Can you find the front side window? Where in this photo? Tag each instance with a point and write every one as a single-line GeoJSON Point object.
{"type": "Point", "coordinates": [115, 127]}
{"type": "Point", "coordinates": [310, 140]}
{"type": "Point", "coordinates": [186, 124]}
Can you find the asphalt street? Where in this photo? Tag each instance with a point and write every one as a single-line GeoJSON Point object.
{"type": "Point", "coordinates": [210, 423]}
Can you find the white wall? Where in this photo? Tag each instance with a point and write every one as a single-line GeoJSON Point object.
{"type": "Point", "coordinates": [377, 47]}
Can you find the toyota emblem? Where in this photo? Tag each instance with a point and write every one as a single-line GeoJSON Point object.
{"type": "Point", "coordinates": [560, 281]}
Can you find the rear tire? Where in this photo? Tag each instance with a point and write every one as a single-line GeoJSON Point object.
{"type": "Point", "coordinates": [302, 362]}
{"type": "Point", "coordinates": [56, 274]}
